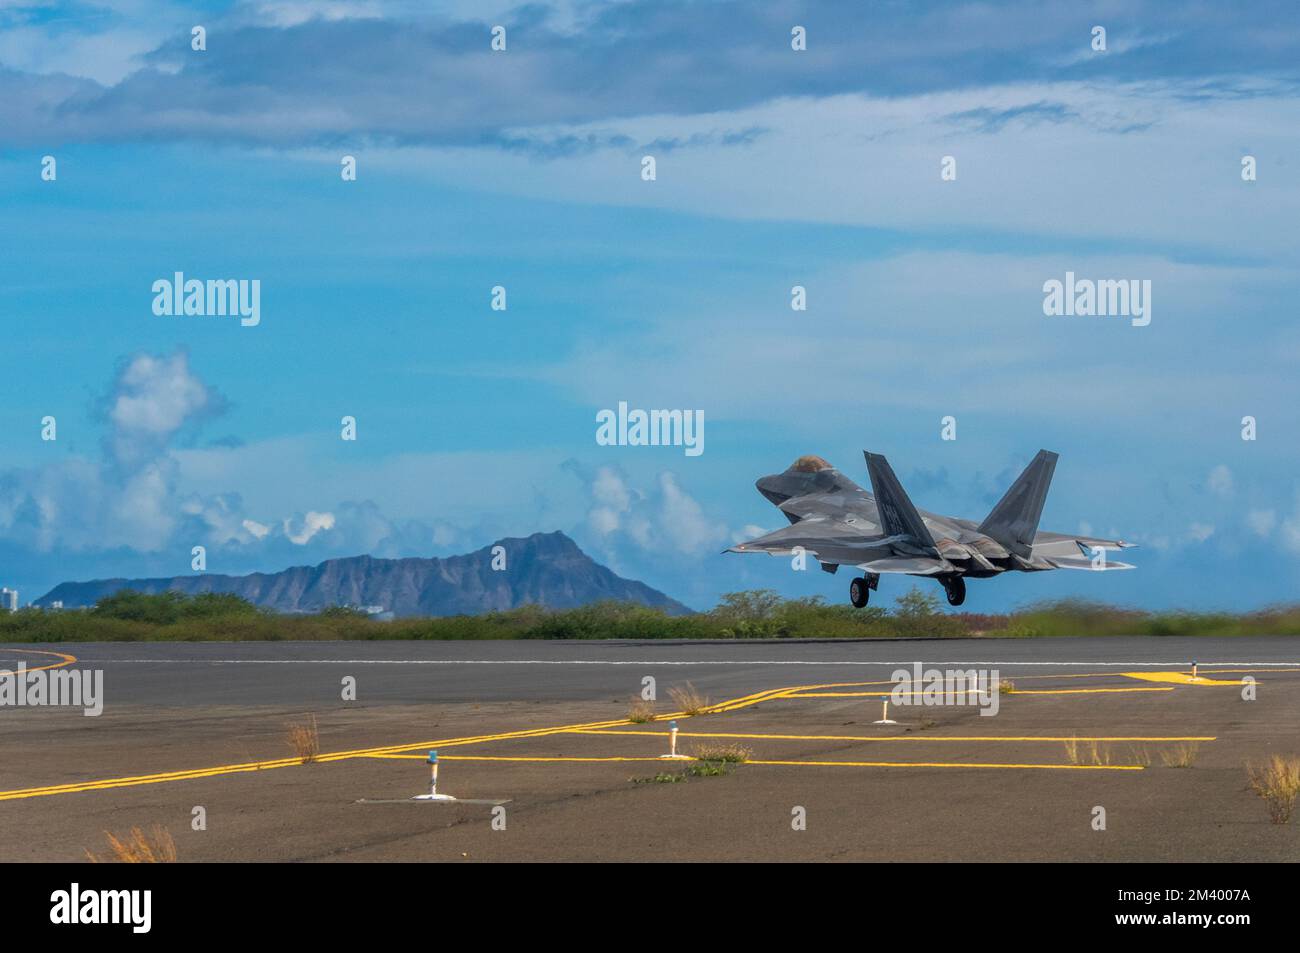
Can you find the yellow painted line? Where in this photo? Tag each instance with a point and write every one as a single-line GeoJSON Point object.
{"type": "Point", "coordinates": [735, 704]}
{"type": "Point", "coordinates": [64, 659]}
{"type": "Point", "coordinates": [1178, 678]}
{"type": "Point", "coordinates": [1085, 691]}
{"type": "Point", "coordinates": [914, 737]}
{"type": "Point", "coordinates": [954, 764]}
{"type": "Point", "coordinates": [822, 764]}
{"type": "Point", "coordinates": [490, 757]}
{"type": "Point", "coordinates": [1016, 691]}
{"type": "Point", "coordinates": [195, 773]}
{"type": "Point", "coordinates": [250, 766]}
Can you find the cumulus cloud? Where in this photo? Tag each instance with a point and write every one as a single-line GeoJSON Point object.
{"type": "Point", "coordinates": [662, 519]}
{"type": "Point", "coordinates": [1220, 481]}
{"type": "Point", "coordinates": [129, 496]}
{"type": "Point", "coordinates": [1261, 522]}
{"type": "Point", "coordinates": [307, 527]}
{"type": "Point", "coordinates": [134, 498]}
{"type": "Point", "coordinates": [151, 400]}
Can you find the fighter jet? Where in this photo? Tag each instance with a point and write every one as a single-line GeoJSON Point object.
{"type": "Point", "coordinates": [838, 522]}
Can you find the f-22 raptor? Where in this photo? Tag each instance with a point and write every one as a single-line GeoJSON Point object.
{"type": "Point", "coordinates": [838, 522]}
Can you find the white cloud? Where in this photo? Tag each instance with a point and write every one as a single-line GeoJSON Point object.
{"type": "Point", "coordinates": [152, 399]}
{"type": "Point", "coordinates": [684, 519]}
{"type": "Point", "coordinates": [1220, 481]}
{"type": "Point", "coordinates": [1261, 522]}
{"type": "Point", "coordinates": [311, 524]}
{"type": "Point", "coordinates": [877, 161]}
{"type": "Point", "coordinates": [663, 520]}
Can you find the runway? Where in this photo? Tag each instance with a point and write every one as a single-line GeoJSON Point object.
{"type": "Point", "coordinates": [302, 673]}
{"type": "Point", "coordinates": [543, 731]}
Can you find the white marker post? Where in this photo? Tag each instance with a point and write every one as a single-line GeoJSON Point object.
{"type": "Point", "coordinates": [884, 716]}
{"type": "Point", "coordinates": [433, 794]}
{"type": "Point", "coordinates": [672, 754]}
{"type": "Point", "coordinates": [1194, 675]}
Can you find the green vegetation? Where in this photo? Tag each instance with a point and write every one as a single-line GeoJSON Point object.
{"type": "Point", "coordinates": [708, 769]}
{"type": "Point", "coordinates": [762, 614]}
{"type": "Point", "coordinates": [663, 777]}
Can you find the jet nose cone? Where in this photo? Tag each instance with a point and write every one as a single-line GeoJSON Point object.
{"type": "Point", "coordinates": [771, 488]}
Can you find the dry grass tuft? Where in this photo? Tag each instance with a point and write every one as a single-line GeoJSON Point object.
{"type": "Point", "coordinates": [729, 753]}
{"type": "Point", "coordinates": [137, 847]}
{"type": "Point", "coordinates": [1181, 755]}
{"type": "Point", "coordinates": [304, 740]}
{"type": "Point", "coordinates": [640, 711]}
{"type": "Point", "coordinates": [1277, 781]}
{"type": "Point", "coordinates": [1098, 752]}
{"type": "Point", "coordinates": [1087, 752]}
{"type": "Point", "coordinates": [1138, 754]}
{"type": "Point", "coordinates": [688, 699]}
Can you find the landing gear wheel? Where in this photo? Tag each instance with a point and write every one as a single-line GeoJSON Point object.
{"type": "Point", "coordinates": [955, 588]}
{"type": "Point", "coordinates": [859, 593]}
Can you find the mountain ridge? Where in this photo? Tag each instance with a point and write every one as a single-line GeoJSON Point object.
{"type": "Point", "coordinates": [547, 569]}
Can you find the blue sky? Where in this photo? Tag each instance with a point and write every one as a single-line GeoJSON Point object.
{"type": "Point", "coordinates": [522, 169]}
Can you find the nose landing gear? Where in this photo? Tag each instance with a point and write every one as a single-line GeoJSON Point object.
{"type": "Point", "coordinates": [860, 589]}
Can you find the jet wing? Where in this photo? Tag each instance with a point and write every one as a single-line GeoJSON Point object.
{"type": "Point", "coordinates": [830, 541]}
{"type": "Point", "coordinates": [842, 544]}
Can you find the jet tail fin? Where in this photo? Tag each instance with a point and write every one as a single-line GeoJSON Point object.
{"type": "Point", "coordinates": [898, 517]}
{"type": "Point", "coordinates": [1014, 521]}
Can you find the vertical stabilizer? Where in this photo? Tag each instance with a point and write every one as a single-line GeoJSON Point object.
{"type": "Point", "coordinates": [898, 517]}
{"type": "Point", "coordinates": [1014, 521]}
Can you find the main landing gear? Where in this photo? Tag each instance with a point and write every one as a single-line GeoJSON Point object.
{"type": "Point", "coordinates": [955, 588]}
{"type": "Point", "coordinates": [860, 589]}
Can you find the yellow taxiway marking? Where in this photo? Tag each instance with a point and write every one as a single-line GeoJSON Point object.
{"type": "Point", "coordinates": [1084, 691]}
{"type": "Point", "coordinates": [194, 773]}
{"type": "Point", "coordinates": [64, 659]}
{"type": "Point", "coordinates": [846, 694]}
{"type": "Point", "coordinates": [1178, 678]}
{"type": "Point", "coordinates": [734, 704]}
{"type": "Point", "coordinates": [490, 757]}
{"type": "Point", "coordinates": [955, 764]}
{"type": "Point", "coordinates": [815, 764]}
{"type": "Point", "coordinates": [1016, 691]}
{"type": "Point", "coordinates": [251, 766]}
{"type": "Point", "coordinates": [917, 737]}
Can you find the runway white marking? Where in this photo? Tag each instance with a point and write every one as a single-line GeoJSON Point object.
{"type": "Point", "coordinates": [650, 662]}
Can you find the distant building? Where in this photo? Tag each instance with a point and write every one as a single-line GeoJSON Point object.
{"type": "Point", "coordinates": [56, 604]}
{"type": "Point", "coordinates": [9, 600]}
